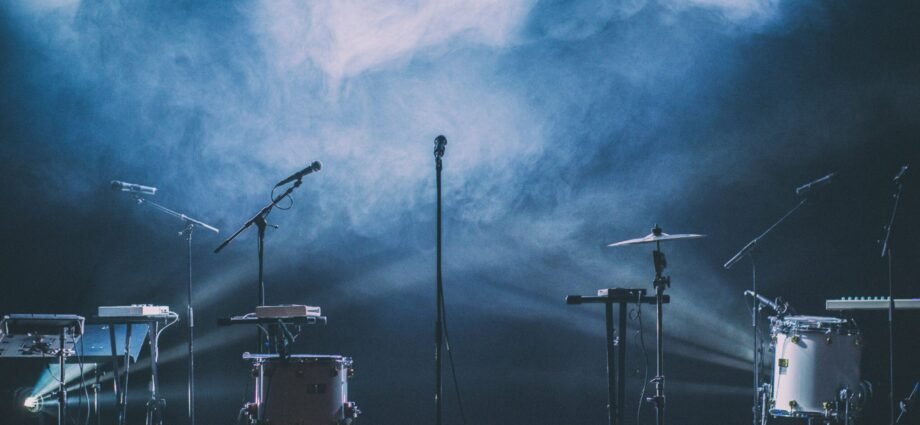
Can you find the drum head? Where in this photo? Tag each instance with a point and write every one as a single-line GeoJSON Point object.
{"type": "Point", "coordinates": [814, 324]}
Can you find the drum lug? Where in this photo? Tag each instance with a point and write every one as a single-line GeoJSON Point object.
{"type": "Point", "coordinates": [793, 404]}
{"type": "Point", "coordinates": [350, 372]}
{"type": "Point", "coordinates": [828, 339]}
{"type": "Point", "coordinates": [351, 410]}
{"type": "Point", "coordinates": [795, 339]}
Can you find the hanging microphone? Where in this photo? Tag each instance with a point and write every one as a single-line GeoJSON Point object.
{"type": "Point", "coordinates": [439, 143]}
{"type": "Point", "coordinates": [807, 187]}
{"type": "Point", "coordinates": [779, 307]}
{"type": "Point", "coordinates": [897, 178]}
{"type": "Point", "coordinates": [133, 188]}
{"type": "Point", "coordinates": [315, 166]}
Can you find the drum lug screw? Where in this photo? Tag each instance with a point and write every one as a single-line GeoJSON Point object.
{"type": "Point", "coordinates": [793, 404]}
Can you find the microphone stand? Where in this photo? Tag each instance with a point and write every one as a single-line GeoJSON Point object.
{"type": "Point", "coordinates": [749, 251]}
{"type": "Point", "coordinates": [190, 224]}
{"type": "Point", "coordinates": [439, 326]}
{"type": "Point", "coordinates": [886, 252]}
{"type": "Point", "coordinates": [260, 221]}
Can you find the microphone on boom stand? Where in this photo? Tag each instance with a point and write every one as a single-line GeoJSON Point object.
{"type": "Point", "coordinates": [133, 188]}
{"type": "Point", "coordinates": [806, 188]}
{"type": "Point", "coordinates": [314, 167]}
{"type": "Point", "coordinates": [779, 306]}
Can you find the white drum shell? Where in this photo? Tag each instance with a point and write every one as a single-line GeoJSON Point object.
{"type": "Point", "coordinates": [811, 367]}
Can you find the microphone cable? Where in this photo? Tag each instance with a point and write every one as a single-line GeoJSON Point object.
{"type": "Point", "coordinates": [450, 360]}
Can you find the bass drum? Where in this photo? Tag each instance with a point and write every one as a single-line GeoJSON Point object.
{"type": "Point", "coordinates": [306, 390]}
{"type": "Point", "coordinates": [816, 359]}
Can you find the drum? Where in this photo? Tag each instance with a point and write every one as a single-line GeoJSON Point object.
{"type": "Point", "coordinates": [815, 359]}
{"type": "Point", "coordinates": [302, 390]}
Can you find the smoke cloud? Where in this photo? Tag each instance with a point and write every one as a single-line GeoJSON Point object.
{"type": "Point", "coordinates": [570, 125]}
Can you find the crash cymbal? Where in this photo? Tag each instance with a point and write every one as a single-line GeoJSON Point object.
{"type": "Point", "coordinates": [657, 236]}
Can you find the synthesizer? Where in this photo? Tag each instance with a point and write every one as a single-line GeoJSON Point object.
{"type": "Point", "coordinates": [135, 310]}
{"type": "Point", "coordinates": [871, 303]}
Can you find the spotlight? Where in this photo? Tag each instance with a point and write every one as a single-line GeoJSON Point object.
{"type": "Point", "coordinates": [33, 404]}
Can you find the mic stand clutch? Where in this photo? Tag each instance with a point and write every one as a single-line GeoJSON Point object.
{"type": "Point", "coordinates": [190, 224]}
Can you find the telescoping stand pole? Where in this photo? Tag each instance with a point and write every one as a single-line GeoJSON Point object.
{"type": "Point", "coordinates": [439, 144]}
{"type": "Point", "coordinates": [886, 252]}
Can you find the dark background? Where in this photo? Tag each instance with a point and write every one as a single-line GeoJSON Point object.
{"type": "Point", "coordinates": [570, 125]}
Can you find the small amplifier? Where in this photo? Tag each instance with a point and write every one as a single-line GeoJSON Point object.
{"type": "Point", "coordinates": [283, 311]}
{"type": "Point", "coordinates": [134, 310]}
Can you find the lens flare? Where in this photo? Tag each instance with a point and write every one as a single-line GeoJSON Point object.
{"type": "Point", "coordinates": [33, 404]}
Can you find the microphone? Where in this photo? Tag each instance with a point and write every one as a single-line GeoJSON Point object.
{"type": "Point", "coordinates": [133, 188]}
{"type": "Point", "coordinates": [778, 307]}
{"type": "Point", "coordinates": [315, 166]}
{"type": "Point", "coordinates": [439, 143]}
{"type": "Point", "coordinates": [807, 187]}
{"type": "Point", "coordinates": [897, 178]}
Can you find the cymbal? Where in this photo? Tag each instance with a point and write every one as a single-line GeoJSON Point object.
{"type": "Point", "coordinates": [657, 236]}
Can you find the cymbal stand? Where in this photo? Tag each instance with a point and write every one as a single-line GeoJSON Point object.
{"type": "Point", "coordinates": [749, 251]}
{"type": "Point", "coordinates": [261, 223]}
{"type": "Point", "coordinates": [190, 224]}
{"type": "Point", "coordinates": [661, 282]}
{"type": "Point", "coordinates": [886, 252]}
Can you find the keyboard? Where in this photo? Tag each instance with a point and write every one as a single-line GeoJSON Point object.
{"type": "Point", "coordinates": [871, 303]}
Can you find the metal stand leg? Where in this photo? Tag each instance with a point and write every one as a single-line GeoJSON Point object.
{"type": "Point", "coordinates": [62, 391]}
{"type": "Point", "coordinates": [758, 360]}
{"type": "Point", "coordinates": [661, 282]}
{"type": "Point", "coordinates": [659, 376]}
{"type": "Point", "coordinates": [189, 229]}
{"type": "Point", "coordinates": [260, 392]}
{"type": "Point", "coordinates": [154, 405]}
{"type": "Point", "coordinates": [621, 365]}
{"type": "Point", "coordinates": [96, 398]}
{"type": "Point", "coordinates": [123, 412]}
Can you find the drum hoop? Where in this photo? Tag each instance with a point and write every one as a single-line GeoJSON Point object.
{"type": "Point", "coordinates": [814, 324]}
